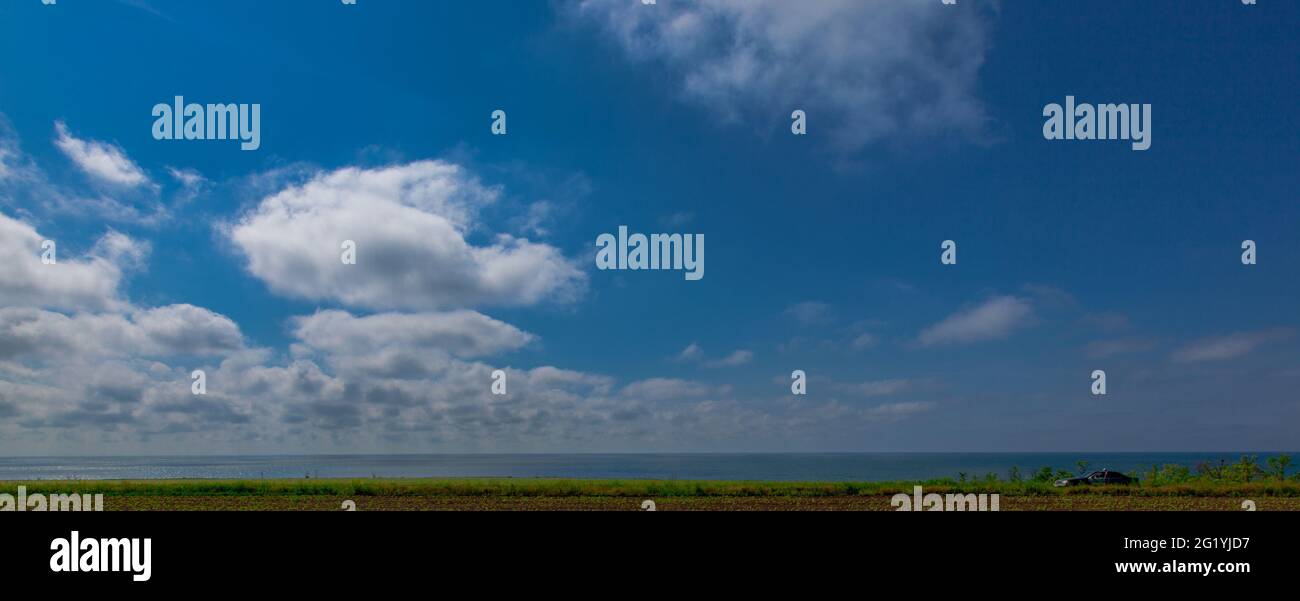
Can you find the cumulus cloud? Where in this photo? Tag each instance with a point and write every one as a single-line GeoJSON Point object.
{"type": "Point", "coordinates": [666, 389]}
{"type": "Point", "coordinates": [865, 69]}
{"type": "Point", "coordinates": [111, 374]}
{"type": "Point", "coordinates": [93, 376]}
{"type": "Point", "coordinates": [186, 329]}
{"type": "Point", "coordinates": [164, 331]}
{"type": "Point", "coordinates": [405, 337]}
{"type": "Point", "coordinates": [82, 364]}
{"type": "Point", "coordinates": [991, 320]}
{"type": "Point", "coordinates": [90, 281]}
{"type": "Point", "coordinates": [100, 160]}
{"type": "Point", "coordinates": [1232, 346]}
{"type": "Point", "coordinates": [119, 378]}
{"type": "Point", "coordinates": [410, 224]}
{"type": "Point", "coordinates": [74, 354]}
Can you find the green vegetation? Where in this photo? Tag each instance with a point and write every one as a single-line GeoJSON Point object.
{"type": "Point", "coordinates": [1244, 478]}
{"type": "Point", "coordinates": [1207, 487]}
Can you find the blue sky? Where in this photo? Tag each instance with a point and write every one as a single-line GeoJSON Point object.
{"type": "Point", "coordinates": [476, 252]}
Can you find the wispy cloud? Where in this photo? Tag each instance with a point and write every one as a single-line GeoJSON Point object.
{"type": "Point", "coordinates": [875, 69]}
{"type": "Point", "coordinates": [897, 411]}
{"type": "Point", "coordinates": [1102, 349]}
{"type": "Point", "coordinates": [666, 389]}
{"type": "Point", "coordinates": [810, 312]}
{"type": "Point", "coordinates": [692, 352]}
{"type": "Point", "coordinates": [874, 388]}
{"type": "Point", "coordinates": [1232, 346]}
{"type": "Point", "coordinates": [146, 7]}
{"type": "Point", "coordinates": [991, 320]}
{"type": "Point", "coordinates": [863, 341]}
{"type": "Point", "coordinates": [100, 160]}
{"type": "Point", "coordinates": [735, 359]}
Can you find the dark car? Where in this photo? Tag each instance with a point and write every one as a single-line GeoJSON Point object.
{"type": "Point", "coordinates": [1097, 477]}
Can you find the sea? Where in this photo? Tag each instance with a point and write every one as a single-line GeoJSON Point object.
{"type": "Point", "coordinates": [831, 467]}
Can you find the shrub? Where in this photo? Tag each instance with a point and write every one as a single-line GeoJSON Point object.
{"type": "Point", "coordinates": [1168, 474]}
{"type": "Point", "coordinates": [1277, 466]}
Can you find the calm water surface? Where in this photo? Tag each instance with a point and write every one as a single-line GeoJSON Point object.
{"type": "Point", "coordinates": [820, 467]}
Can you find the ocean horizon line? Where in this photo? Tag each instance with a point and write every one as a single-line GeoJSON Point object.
{"type": "Point", "coordinates": [636, 454]}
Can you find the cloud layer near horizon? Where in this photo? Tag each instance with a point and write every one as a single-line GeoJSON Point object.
{"type": "Point", "coordinates": [401, 363]}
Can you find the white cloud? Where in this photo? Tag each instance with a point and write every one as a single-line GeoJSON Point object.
{"type": "Point", "coordinates": [100, 367]}
{"type": "Point", "coordinates": [100, 376]}
{"type": "Point", "coordinates": [896, 411]}
{"type": "Point", "coordinates": [410, 224]}
{"type": "Point", "coordinates": [995, 318]}
{"type": "Point", "coordinates": [110, 375]}
{"type": "Point", "coordinates": [27, 189]}
{"type": "Point", "coordinates": [666, 389]}
{"type": "Point", "coordinates": [1232, 346]}
{"type": "Point", "coordinates": [735, 359]}
{"type": "Point", "coordinates": [460, 333]}
{"type": "Point", "coordinates": [100, 160]}
{"type": "Point", "coordinates": [82, 365]}
{"type": "Point", "coordinates": [865, 70]}
{"type": "Point", "coordinates": [160, 332]}
{"type": "Point", "coordinates": [72, 282]}
{"type": "Point", "coordinates": [190, 178]}
{"type": "Point", "coordinates": [187, 329]}
{"type": "Point", "coordinates": [192, 184]}
{"type": "Point", "coordinates": [113, 380]}
{"type": "Point", "coordinates": [694, 353]}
